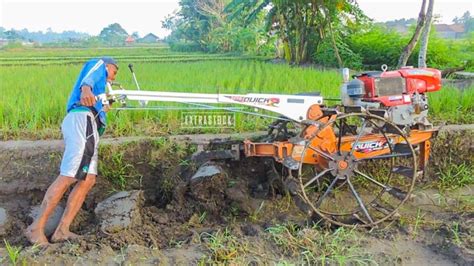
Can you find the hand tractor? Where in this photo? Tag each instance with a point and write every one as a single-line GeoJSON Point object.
{"type": "Point", "coordinates": [351, 163]}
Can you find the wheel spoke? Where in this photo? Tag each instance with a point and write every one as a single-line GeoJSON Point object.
{"type": "Point", "coordinates": [372, 180]}
{"type": "Point", "coordinates": [384, 135]}
{"type": "Point", "coordinates": [325, 155]}
{"type": "Point", "coordinates": [369, 197]}
{"type": "Point", "coordinates": [404, 171]}
{"type": "Point", "coordinates": [385, 210]}
{"type": "Point", "coordinates": [397, 193]}
{"type": "Point", "coordinates": [341, 132]}
{"type": "Point", "coordinates": [326, 192]}
{"type": "Point", "coordinates": [359, 200]}
{"type": "Point", "coordinates": [358, 136]}
{"type": "Point", "coordinates": [317, 177]}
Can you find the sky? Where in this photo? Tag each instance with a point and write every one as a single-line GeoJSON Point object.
{"type": "Point", "coordinates": [145, 16]}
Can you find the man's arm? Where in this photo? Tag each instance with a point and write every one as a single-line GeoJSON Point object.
{"type": "Point", "coordinates": [87, 97]}
{"type": "Point", "coordinates": [89, 81]}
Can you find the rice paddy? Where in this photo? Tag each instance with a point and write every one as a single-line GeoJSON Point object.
{"type": "Point", "coordinates": [36, 83]}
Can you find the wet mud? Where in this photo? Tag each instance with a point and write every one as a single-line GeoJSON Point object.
{"type": "Point", "coordinates": [178, 211]}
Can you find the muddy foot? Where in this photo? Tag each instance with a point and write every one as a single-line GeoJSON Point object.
{"type": "Point", "coordinates": [63, 236]}
{"type": "Point", "coordinates": [35, 237]}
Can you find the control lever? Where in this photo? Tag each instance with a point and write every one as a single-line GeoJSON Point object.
{"type": "Point", "coordinates": [130, 66]}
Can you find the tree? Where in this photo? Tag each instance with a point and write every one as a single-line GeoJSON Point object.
{"type": "Point", "coordinates": [13, 35]}
{"type": "Point", "coordinates": [113, 34]}
{"type": "Point", "coordinates": [402, 61]}
{"type": "Point", "coordinates": [188, 24]}
{"type": "Point", "coordinates": [302, 25]}
{"type": "Point", "coordinates": [213, 9]}
{"type": "Point", "coordinates": [135, 35]}
{"type": "Point", "coordinates": [425, 35]}
{"type": "Point", "coordinates": [206, 24]}
{"type": "Point", "coordinates": [466, 20]}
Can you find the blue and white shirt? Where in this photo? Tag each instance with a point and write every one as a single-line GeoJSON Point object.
{"type": "Point", "coordinates": [93, 74]}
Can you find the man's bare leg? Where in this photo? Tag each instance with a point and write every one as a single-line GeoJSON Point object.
{"type": "Point", "coordinates": [74, 203]}
{"type": "Point", "coordinates": [35, 232]}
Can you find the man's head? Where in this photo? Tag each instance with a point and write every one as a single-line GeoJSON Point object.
{"type": "Point", "coordinates": [111, 66]}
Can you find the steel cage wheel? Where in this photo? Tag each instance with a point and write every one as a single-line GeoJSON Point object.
{"type": "Point", "coordinates": [357, 190]}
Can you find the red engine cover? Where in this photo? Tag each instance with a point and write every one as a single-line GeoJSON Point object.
{"type": "Point", "coordinates": [393, 88]}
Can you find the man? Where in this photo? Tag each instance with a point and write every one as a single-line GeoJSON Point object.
{"type": "Point", "coordinates": [81, 128]}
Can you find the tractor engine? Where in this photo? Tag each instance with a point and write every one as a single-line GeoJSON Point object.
{"type": "Point", "coordinates": [401, 93]}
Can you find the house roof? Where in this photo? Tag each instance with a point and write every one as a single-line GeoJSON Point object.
{"type": "Point", "coordinates": [458, 28]}
{"type": "Point", "coordinates": [150, 35]}
{"type": "Point", "coordinates": [129, 39]}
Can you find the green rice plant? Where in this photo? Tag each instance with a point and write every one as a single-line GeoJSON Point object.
{"type": "Point", "coordinates": [161, 59]}
{"type": "Point", "coordinates": [34, 97]}
{"type": "Point", "coordinates": [58, 56]}
{"type": "Point", "coordinates": [45, 53]}
{"type": "Point", "coordinates": [36, 84]}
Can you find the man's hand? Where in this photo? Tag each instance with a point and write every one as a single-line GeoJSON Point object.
{"type": "Point", "coordinates": [87, 97]}
{"type": "Point", "coordinates": [106, 108]}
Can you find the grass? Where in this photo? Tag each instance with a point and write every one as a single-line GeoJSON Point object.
{"type": "Point", "coordinates": [202, 217]}
{"type": "Point", "coordinates": [36, 83]}
{"type": "Point", "coordinates": [419, 220]}
{"type": "Point", "coordinates": [13, 252]}
{"type": "Point", "coordinates": [455, 176]}
{"type": "Point", "coordinates": [314, 245]}
{"type": "Point", "coordinates": [222, 246]}
{"type": "Point", "coordinates": [118, 171]}
{"type": "Point", "coordinates": [455, 231]}
{"type": "Point", "coordinates": [255, 216]}
{"type": "Point", "coordinates": [126, 166]}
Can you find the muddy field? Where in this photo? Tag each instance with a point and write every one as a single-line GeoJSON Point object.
{"type": "Point", "coordinates": [233, 215]}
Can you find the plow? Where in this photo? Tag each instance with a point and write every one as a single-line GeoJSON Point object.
{"type": "Point", "coordinates": [354, 162]}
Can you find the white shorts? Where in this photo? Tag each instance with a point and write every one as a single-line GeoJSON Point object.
{"type": "Point", "coordinates": [81, 140]}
